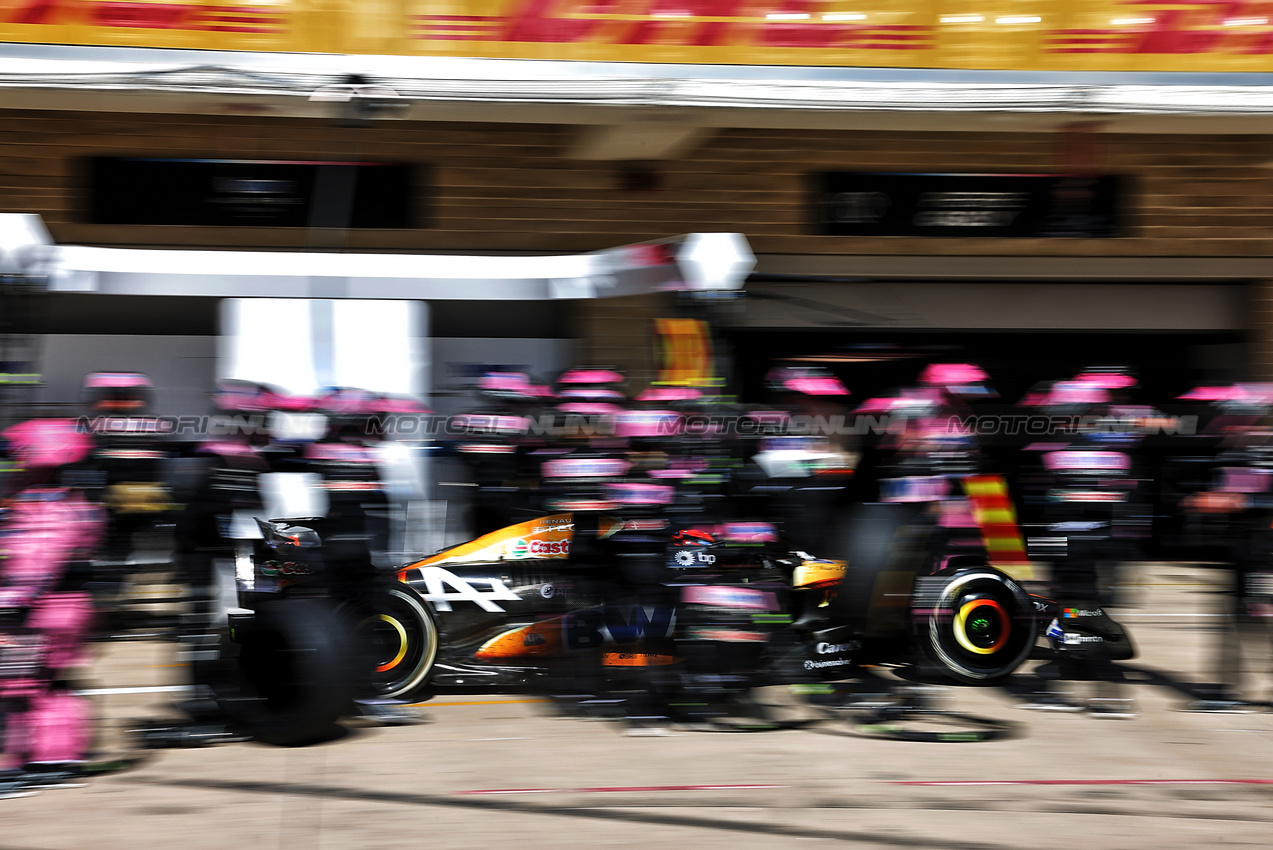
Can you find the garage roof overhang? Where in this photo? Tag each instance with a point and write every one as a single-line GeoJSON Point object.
{"type": "Point", "coordinates": [629, 110]}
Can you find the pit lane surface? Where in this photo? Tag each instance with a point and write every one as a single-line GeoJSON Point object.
{"type": "Point", "coordinates": [503, 770]}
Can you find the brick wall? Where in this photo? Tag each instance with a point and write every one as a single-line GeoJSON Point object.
{"type": "Point", "coordinates": [619, 332]}
{"type": "Point", "coordinates": [509, 187]}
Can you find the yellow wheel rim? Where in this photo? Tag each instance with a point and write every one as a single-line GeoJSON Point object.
{"type": "Point", "coordinates": [962, 622]}
{"type": "Point", "coordinates": [402, 644]}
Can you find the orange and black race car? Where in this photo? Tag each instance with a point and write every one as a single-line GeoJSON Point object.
{"type": "Point", "coordinates": [556, 596]}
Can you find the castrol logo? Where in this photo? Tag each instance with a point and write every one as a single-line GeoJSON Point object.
{"type": "Point", "coordinates": [285, 568]}
{"type": "Point", "coordinates": [523, 548]}
{"type": "Point", "coordinates": [836, 648]}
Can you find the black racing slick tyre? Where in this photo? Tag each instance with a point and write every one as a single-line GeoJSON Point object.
{"type": "Point", "coordinates": [976, 625]}
{"type": "Point", "coordinates": [883, 545]}
{"type": "Point", "coordinates": [296, 674]}
{"type": "Point", "coordinates": [400, 633]}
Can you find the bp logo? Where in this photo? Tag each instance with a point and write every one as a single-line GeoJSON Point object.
{"type": "Point", "coordinates": [686, 558]}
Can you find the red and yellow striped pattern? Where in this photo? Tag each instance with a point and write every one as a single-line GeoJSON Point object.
{"type": "Point", "coordinates": [995, 515]}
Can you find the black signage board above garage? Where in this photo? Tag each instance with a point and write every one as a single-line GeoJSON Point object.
{"type": "Point", "coordinates": [249, 193]}
{"type": "Point", "coordinates": [1022, 205]}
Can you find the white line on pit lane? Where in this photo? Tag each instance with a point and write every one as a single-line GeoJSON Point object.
{"type": "Point", "coordinates": [156, 689]}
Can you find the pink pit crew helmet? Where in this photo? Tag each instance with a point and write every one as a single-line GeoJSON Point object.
{"type": "Point", "coordinates": [958, 379]}
{"type": "Point", "coordinates": [669, 394]}
{"type": "Point", "coordinates": [239, 396]}
{"type": "Point", "coordinates": [591, 375]}
{"type": "Point", "coordinates": [512, 385]}
{"type": "Point", "coordinates": [118, 392]}
{"type": "Point", "coordinates": [47, 443]}
{"type": "Point", "coordinates": [805, 380]}
{"type": "Point", "coordinates": [355, 402]}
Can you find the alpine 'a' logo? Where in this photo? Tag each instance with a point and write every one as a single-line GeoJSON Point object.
{"type": "Point", "coordinates": [437, 580]}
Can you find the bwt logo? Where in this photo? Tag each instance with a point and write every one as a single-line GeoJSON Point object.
{"type": "Point", "coordinates": [592, 628]}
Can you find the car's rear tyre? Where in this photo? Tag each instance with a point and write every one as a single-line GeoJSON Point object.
{"type": "Point", "coordinates": [884, 547]}
{"type": "Point", "coordinates": [295, 676]}
{"type": "Point", "coordinates": [401, 636]}
{"type": "Point", "coordinates": [976, 625]}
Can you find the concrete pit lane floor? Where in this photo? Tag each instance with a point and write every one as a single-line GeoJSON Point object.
{"type": "Point", "coordinates": [495, 770]}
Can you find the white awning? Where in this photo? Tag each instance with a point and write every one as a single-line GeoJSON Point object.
{"type": "Point", "coordinates": [697, 261]}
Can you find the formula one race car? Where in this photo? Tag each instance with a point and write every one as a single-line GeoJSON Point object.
{"type": "Point", "coordinates": [554, 603]}
{"type": "Point", "coordinates": [516, 602]}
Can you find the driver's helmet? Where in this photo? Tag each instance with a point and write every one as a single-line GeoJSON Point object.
{"type": "Point", "coordinates": [118, 393]}
{"type": "Point", "coordinates": [693, 537]}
